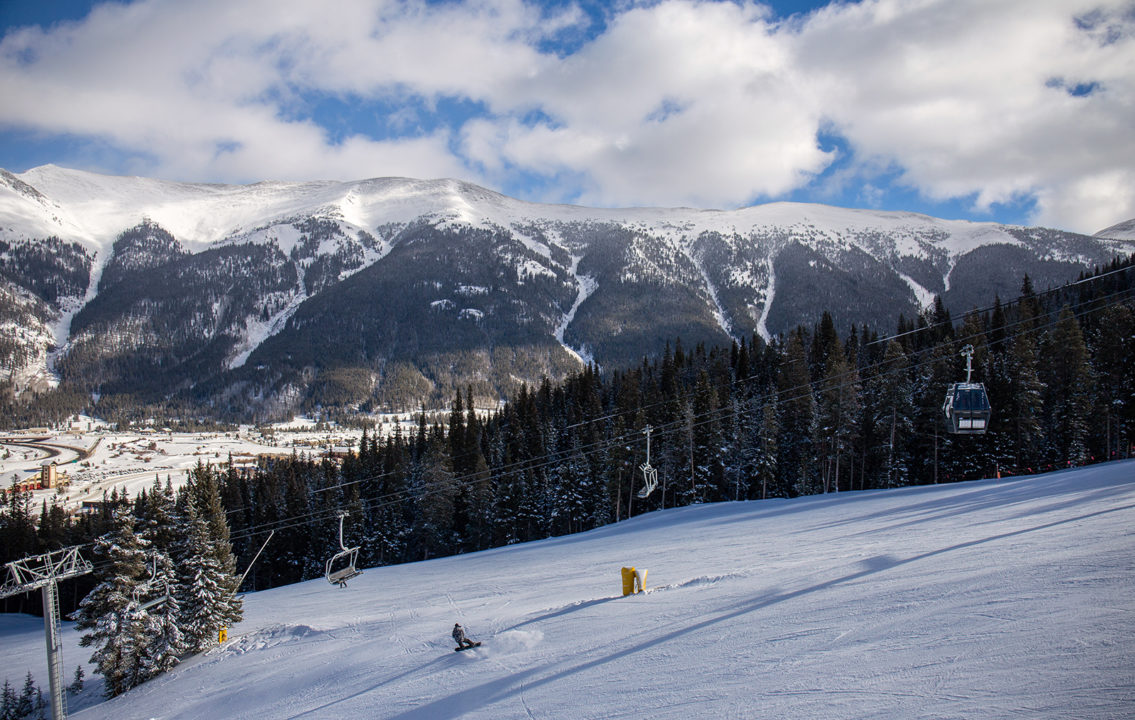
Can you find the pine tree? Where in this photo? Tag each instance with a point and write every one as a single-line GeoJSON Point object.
{"type": "Point", "coordinates": [893, 409]}
{"type": "Point", "coordinates": [203, 587]}
{"type": "Point", "coordinates": [25, 704]}
{"type": "Point", "coordinates": [837, 413]}
{"type": "Point", "coordinates": [8, 702]}
{"type": "Point", "coordinates": [1025, 399]}
{"type": "Point", "coordinates": [76, 685]}
{"type": "Point", "coordinates": [1114, 344]}
{"type": "Point", "coordinates": [110, 611]}
{"type": "Point", "coordinates": [436, 494]}
{"type": "Point", "coordinates": [40, 705]}
{"type": "Point", "coordinates": [797, 418]}
{"type": "Point", "coordinates": [767, 456]}
{"type": "Point", "coordinates": [205, 490]}
{"type": "Point", "coordinates": [158, 527]}
{"type": "Point", "coordinates": [1069, 385]}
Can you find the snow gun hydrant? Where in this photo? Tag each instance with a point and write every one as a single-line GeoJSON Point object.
{"type": "Point", "coordinates": [634, 581]}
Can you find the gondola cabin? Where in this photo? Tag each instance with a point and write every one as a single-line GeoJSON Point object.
{"type": "Point", "coordinates": [967, 409]}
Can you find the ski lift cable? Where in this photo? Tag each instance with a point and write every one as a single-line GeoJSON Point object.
{"type": "Point", "coordinates": [556, 457]}
{"type": "Point", "coordinates": [893, 337]}
{"type": "Point", "coordinates": [711, 416]}
{"type": "Point", "coordinates": [739, 381]}
{"type": "Point", "coordinates": [1006, 304]}
{"type": "Point", "coordinates": [703, 418]}
{"type": "Point", "coordinates": [708, 417]}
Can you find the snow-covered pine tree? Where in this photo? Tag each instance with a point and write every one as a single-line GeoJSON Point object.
{"type": "Point", "coordinates": [797, 410]}
{"type": "Point", "coordinates": [8, 701]}
{"type": "Point", "coordinates": [766, 467]}
{"type": "Point", "coordinates": [25, 705]}
{"type": "Point", "coordinates": [40, 705]}
{"type": "Point", "coordinates": [76, 685]}
{"type": "Point", "coordinates": [890, 394]}
{"type": "Point", "coordinates": [158, 526]}
{"type": "Point", "coordinates": [110, 612]}
{"type": "Point", "coordinates": [1114, 345]}
{"type": "Point", "coordinates": [204, 490]}
{"type": "Point", "coordinates": [1069, 390]}
{"type": "Point", "coordinates": [202, 586]}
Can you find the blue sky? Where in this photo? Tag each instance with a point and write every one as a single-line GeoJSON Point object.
{"type": "Point", "coordinates": [1009, 110]}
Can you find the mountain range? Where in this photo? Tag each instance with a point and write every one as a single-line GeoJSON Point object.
{"type": "Point", "coordinates": [260, 300]}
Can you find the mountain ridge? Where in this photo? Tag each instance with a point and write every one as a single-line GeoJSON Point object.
{"type": "Point", "coordinates": [174, 287]}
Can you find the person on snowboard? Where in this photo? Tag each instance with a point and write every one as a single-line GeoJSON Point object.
{"type": "Point", "coordinates": [459, 637]}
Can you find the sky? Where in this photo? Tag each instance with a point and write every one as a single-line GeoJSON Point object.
{"type": "Point", "coordinates": [1019, 111]}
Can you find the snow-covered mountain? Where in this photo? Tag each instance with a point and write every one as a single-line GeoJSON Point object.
{"type": "Point", "coordinates": [1120, 231]}
{"type": "Point", "coordinates": [394, 291]}
{"type": "Point", "coordinates": [989, 599]}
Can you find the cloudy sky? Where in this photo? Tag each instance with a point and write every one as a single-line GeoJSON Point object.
{"type": "Point", "coordinates": [1009, 110]}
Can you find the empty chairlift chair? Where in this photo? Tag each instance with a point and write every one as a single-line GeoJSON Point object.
{"type": "Point", "coordinates": [153, 591]}
{"type": "Point", "coordinates": [967, 406]}
{"type": "Point", "coordinates": [341, 565]}
{"type": "Point", "coordinates": [649, 474]}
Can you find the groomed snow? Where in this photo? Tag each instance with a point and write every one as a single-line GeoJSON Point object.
{"type": "Point", "coordinates": [991, 599]}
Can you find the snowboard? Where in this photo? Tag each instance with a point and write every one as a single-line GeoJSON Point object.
{"type": "Point", "coordinates": [467, 647]}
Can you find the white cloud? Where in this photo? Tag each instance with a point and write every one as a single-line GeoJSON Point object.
{"type": "Point", "coordinates": [677, 102]}
{"type": "Point", "coordinates": [961, 95]}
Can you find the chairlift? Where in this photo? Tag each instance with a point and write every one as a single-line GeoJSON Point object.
{"type": "Point", "coordinates": [966, 405]}
{"type": "Point", "coordinates": [649, 474]}
{"type": "Point", "coordinates": [148, 587]}
{"type": "Point", "coordinates": [341, 565]}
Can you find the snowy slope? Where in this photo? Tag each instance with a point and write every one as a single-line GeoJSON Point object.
{"type": "Point", "coordinates": [1120, 231]}
{"type": "Point", "coordinates": [93, 209]}
{"type": "Point", "coordinates": [992, 599]}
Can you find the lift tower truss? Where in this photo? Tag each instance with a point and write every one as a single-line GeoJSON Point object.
{"type": "Point", "coordinates": [44, 572]}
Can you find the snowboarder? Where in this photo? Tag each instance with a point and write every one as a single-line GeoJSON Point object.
{"type": "Point", "coordinates": [463, 643]}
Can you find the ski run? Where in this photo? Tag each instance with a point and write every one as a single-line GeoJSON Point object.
{"type": "Point", "coordinates": [1000, 598]}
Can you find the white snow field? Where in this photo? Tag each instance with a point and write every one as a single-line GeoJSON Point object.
{"type": "Point", "coordinates": [991, 599]}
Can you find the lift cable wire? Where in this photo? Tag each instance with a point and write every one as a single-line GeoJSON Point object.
{"type": "Point", "coordinates": [556, 457]}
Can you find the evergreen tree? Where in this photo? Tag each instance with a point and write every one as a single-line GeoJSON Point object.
{"type": "Point", "coordinates": [893, 409]}
{"type": "Point", "coordinates": [436, 494]}
{"type": "Point", "coordinates": [1114, 344]}
{"type": "Point", "coordinates": [25, 704]}
{"type": "Point", "coordinates": [1025, 400]}
{"type": "Point", "coordinates": [766, 466]}
{"type": "Point", "coordinates": [837, 412]}
{"type": "Point", "coordinates": [76, 685]}
{"type": "Point", "coordinates": [1069, 386]}
{"type": "Point", "coordinates": [8, 702]}
{"type": "Point", "coordinates": [797, 417]}
{"type": "Point", "coordinates": [206, 491]}
{"type": "Point", "coordinates": [110, 613]}
{"type": "Point", "coordinates": [203, 586]}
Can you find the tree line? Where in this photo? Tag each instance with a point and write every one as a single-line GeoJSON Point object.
{"type": "Point", "coordinates": [812, 412]}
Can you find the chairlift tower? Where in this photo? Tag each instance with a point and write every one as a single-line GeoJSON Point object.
{"type": "Point", "coordinates": [44, 572]}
